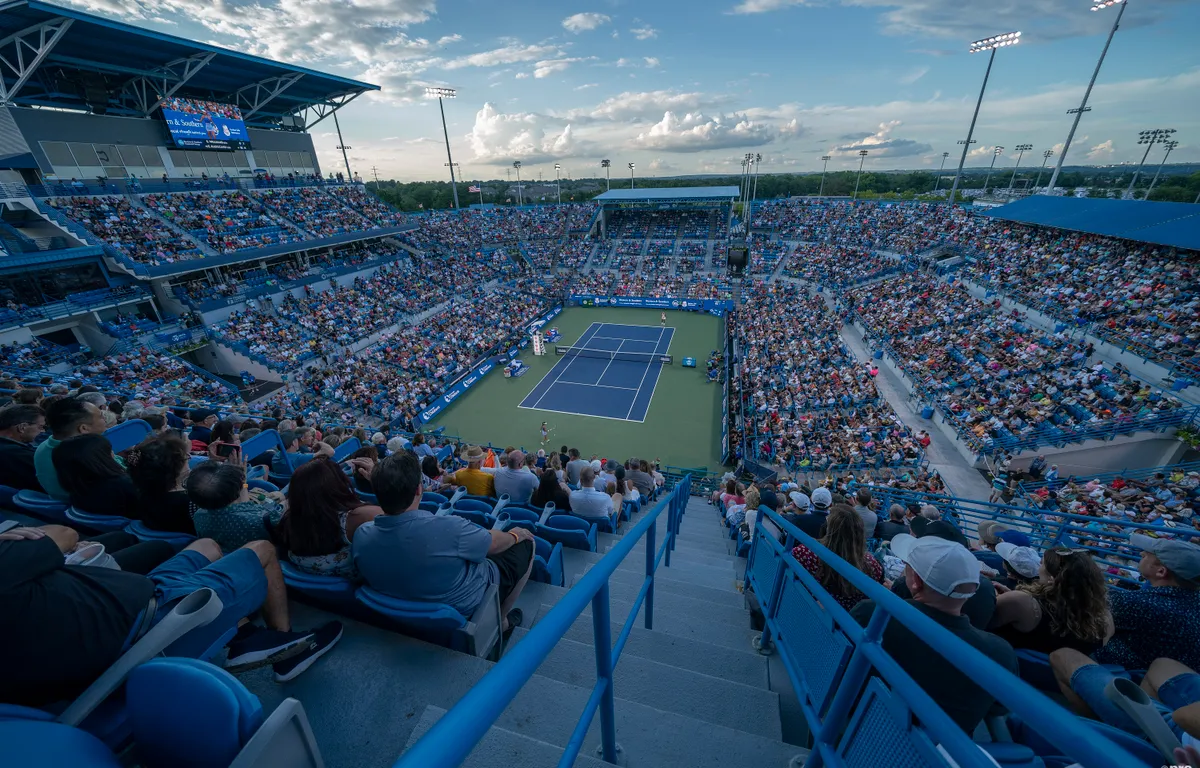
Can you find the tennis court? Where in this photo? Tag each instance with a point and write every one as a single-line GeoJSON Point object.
{"type": "Point", "coordinates": [611, 372]}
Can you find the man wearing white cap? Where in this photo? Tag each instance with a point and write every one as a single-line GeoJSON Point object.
{"type": "Point", "coordinates": [941, 575]}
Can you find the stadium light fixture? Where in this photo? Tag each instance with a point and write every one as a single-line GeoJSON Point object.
{"type": "Point", "coordinates": [631, 175]}
{"type": "Point", "coordinates": [826, 159]}
{"type": "Point", "coordinates": [1149, 138]}
{"type": "Point", "coordinates": [757, 165]}
{"type": "Point", "coordinates": [992, 44]}
{"type": "Point", "coordinates": [1169, 146]}
{"type": "Point", "coordinates": [446, 93]}
{"type": "Point", "coordinates": [606, 165]}
{"type": "Point", "coordinates": [343, 147]}
{"type": "Point", "coordinates": [558, 181]}
{"type": "Point", "coordinates": [1049, 153]}
{"type": "Point", "coordinates": [862, 158]}
{"type": "Point", "coordinates": [1083, 107]}
{"type": "Point", "coordinates": [996, 152]}
{"type": "Point", "coordinates": [1021, 150]}
{"type": "Point", "coordinates": [520, 195]}
{"type": "Point", "coordinates": [938, 182]}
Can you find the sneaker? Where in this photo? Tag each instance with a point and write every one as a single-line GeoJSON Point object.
{"type": "Point", "coordinates": [259, 647]}
{"type": "Point", "coordinates": [323, 638]}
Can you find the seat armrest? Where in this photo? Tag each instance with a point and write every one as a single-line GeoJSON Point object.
{"type": "Point", "coordinates": [483, 628]}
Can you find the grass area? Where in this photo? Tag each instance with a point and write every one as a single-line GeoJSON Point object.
{"type": "Point", "coordinates": [682, 427]}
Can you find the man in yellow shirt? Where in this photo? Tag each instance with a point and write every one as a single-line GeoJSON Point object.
{"type": "Point", "coordinates": [475, 480]}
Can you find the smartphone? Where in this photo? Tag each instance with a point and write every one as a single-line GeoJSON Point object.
{"type": "Point", "coordinates": [225, 449]}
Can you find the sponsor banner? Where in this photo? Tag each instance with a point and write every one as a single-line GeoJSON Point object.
{"type": "Point", "coordinates": [455, 390]}
{"type": "Point", "coordinates": [537, 325]}
{"type": "Point", "coordinates": [715, 306]}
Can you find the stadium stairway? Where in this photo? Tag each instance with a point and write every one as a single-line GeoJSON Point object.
{"type": "Point", "coordinates": [691, 692]}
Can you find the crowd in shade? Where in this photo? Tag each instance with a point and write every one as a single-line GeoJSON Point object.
{"type": "Point", "coordinates": [133, 231]}
{"type": "Point", "coordinates": [267, 337]}
{"type": "Point", "coordinates": [710, 288]}
{"type": "Point", "coordinates": [765, 253]}
{"type": "Point", "coordinates": [591, 284]}
{"type": "Point", "coordinates": [991, 373]}
{"type": "Point", "coordinates": [226, 221]}
{"type": "Point", "coordinates": [314, 211]}
{"type": "Point", "coordinates": [472, 229]}
{"type": "Point", "coordinates": [659, 286]}
{"type": "Point", "coordinates": [575, 253]}
{"type": "Point", "coordinates": [147, 374]}
{"type": "Point", "coordinates": [809, 404]}
{"type": "Point", "coordinates": [33, 354]}
{"type": "Point", "coordinates": [368, 206]}
{"type": "Point", "coordinates": [692, 255]}
{"type": "Point", "coordinates": [903, 228]}
{"type": "Point", "coordinates": [834, 266]}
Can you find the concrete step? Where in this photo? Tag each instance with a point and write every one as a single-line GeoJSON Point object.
{"type": "Point", "coordinates": [690, 556]}
{"type": "Point", "coordinates": [720, 577]}
{"type": "Point", "coordinates": [728, 631]}
{"type": "Point", "coordinates": [671, 689]}
{"type": "Point", "coordinates": [501, 747]}
{"type": "Point", "coordinates": [678, 604]}
{"type": "Point", "coordinates": [605, 541]}
{"type": "Point", "coordinates": [747, 667]}
{"type": "Point", "coordinates": [625, 586]}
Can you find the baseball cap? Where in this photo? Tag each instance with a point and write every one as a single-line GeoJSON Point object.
{"type": "Point", "coordinates": [1024, 560]}
{"type": "Point", "coordinates": [1020, 538]}
{"type": "Point", "coordinates": [990, 530]}
{"type": "Point", "coordinates": [822, 498]}
{"type": "Point", "coordinates": [1180, 558]}
{"type": "Point", "coordinates": [785, 487]}
{"type": "Point", "coordinates": [943, 565]}
{"type": "Point", "coordinates": [799, 499]}
{"type": "Point", "coordinates": [200, 414]}
{"type": "Point", "coordinates": [940, 529]}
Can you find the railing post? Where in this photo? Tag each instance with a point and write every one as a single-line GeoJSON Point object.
{"type": "Point", "coordinates": [602, 641]}
{"type": "Point", "coordinates": [650, 553]}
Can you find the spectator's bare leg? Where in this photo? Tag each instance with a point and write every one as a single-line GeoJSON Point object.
{"type": "Point", "coordinates": [275, 607]}
{"type": "Point", "coordinates": [1064, 662]}
{"type": "Point", "coordinates": [1160, 671]}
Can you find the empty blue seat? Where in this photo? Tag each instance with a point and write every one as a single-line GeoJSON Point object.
{"type": "Point", "coordinates": [145, 533]}
{"type": "Point", "coordinates": [331, 592]}
{"type": "Point", "coordinates": [570, 531]}
{"type": "Point", "coordinates": [100, 523]}
{"type": "Point", "coordinates": [41, 506]}
{"type": "Point", "coordinates": [519, 517]}
{"type": "Point", "coordinates": [547, 562]}
{"type": "Point", "coordinates": [474, 510]}
{"type": "Point", "coordinates": [434, 498]}
{"type": "Point", "coordinates": [6, 496]}
{"type": "Point", "coordinates": [437, 622]}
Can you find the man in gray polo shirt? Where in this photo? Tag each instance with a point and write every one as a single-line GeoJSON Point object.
{"type": "Point", "coordinates": [574, 466]}
{"type": "Point", "coordinates": [412, 554]}
{"type": "Point", "coordinates": [515, 480]}
{"type": "Point", "coordinates": [593, 504]}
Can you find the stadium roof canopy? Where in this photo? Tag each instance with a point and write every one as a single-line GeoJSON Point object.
{"type": "Point", "coordinates": [664, 194]}
{"type": "Point", "coordinates": [1175, 224]}
{"type": "Point", "coordinates": [58, 57]}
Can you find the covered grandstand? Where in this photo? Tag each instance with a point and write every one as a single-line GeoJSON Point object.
{"type": "Point", "coordinates": [1173, 224]}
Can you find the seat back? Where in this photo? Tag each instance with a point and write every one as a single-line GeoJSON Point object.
{"type": "Point", "coordinates": [6, 496]}
{"type": "Point", "coordinates": [434, 498]}
{"type": "Point", "coordinates": [547, 563]}
{"type": "Point", "coordinates": [328, 591]}
{"type": "Point", "coordinates": [145, 533]}
{"type": "Point", "coordinates": [570, 531]}
{"type": "Point", "coordinates": [41, 506]}
{"type": "Point", "coordinates": [189, 713]}
{"type": "Point", "coordinates": [433, 622]}
{"type": "Point", "coordinates": [474, 510]}
{"type": "Point", "coordinates": [101, 523]}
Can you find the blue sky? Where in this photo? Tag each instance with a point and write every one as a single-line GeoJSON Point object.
{"type": "Point", "coordinates": [680, 86]}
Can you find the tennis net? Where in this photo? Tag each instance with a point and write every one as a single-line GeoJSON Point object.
{"type": "Point", "coordinates": [604, 354]}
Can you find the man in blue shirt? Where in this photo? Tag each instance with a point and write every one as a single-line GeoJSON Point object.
{"type": "Point", "coordinates": [592, 504]}
{"type": "Point", "coordinates": [202, 424]}
{"type": "Point", "coordinates": [420, 447]}
{"type": "Point", "coordinates": [515, 480]}
{"type": "Point", "coordinates": [412, 554]}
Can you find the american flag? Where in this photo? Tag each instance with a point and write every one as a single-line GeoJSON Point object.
{"type": "Point", "coordinates": [473, 188]}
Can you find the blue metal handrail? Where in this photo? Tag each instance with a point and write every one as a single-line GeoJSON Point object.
{"type": "Point", "coordinates": [1055, 724]}
{"type": "Point", "coordinates": [449, 742]}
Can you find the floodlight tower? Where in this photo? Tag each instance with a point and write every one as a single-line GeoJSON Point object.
{"type": "Point", "coordinates": [1049, 153]}
{"type": "Point", "coordinates": [1169, 145]}
{"type": "Point", "coordinates": [1083, 107]}
{"type": "Point", "coordinates": [558, 181]}
{"type": "Point", "coordinates": [996, 152]}
{"type": "Point", "coordinates": [862, 158]}
{"type": "Point", "coordinates": [446, 93]}
{"type": "Point", "coordinates": [938, 182]}
{"type": "Point", "coordinates": [606, 165]}
{"type": "Point", "coordinates": [825, 168]}
{"type": "Point", "coordinates": [992, 44]}
{"type": "Point", "coordinates": [1149, 138]}
{"type": "Point", "coordinates": [1021, 150]}
{"type": "Point", "coordinates": [631, 175]}
{"type": "Point", "coordinates": [520, 194]}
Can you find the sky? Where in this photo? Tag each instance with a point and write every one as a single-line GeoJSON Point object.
{"type": "Point", "coordinates": [690, 86]}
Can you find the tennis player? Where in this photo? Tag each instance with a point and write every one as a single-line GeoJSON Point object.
{"type": "Point", "coordinates": [545, 434]}
{"type": "Point", "coordinates": [662, 319]}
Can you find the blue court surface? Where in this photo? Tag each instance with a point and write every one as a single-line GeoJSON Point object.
{"type": "Point", "coordinates": [606, 388]}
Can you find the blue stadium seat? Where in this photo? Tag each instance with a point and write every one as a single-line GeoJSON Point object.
{"type": "Point", "coordinates": [145, 533]}
{"type": "Point", "coordinates": [330, 592]}
{"type": "Point", "coordinates": [1023, 734]}
{"type": "Point", "coordinates": [41, 506]}
{"type": "Point", "coordinates": [6, 496]}
{"type": "Point", "coordinates": [474, 510]}
{"type": "Point", "coordinates": [439, 623]}
{"type": "Point", "coordinates": [434, 498]}
{"type": "Point", "coordinates": [570, 531]}
{"type": "Point", "coordinates": [518, 517]}
{"type": "Point", "coordinates": [101, 523]}
{"type": "Point", "coordinates": [547, 563]}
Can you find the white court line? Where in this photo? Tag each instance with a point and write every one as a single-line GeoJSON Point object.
{"type": "Point", "coordinates": [602, 386]}
{"type": "Point", "coordinates": [580, 413]}
{"type": "Point", "coordinates": [610, 362]}
{"type": "Point", "coordinates": [656, 380]}
{"type": "Point", "coordinates": [644, 374]}
{"type": "Point", "coordinates": [564, 370]}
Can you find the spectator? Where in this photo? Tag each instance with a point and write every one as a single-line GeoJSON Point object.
{"type": "Point", "coordinates": [158, 467]}
{"type": "Point", "coordinates": [59, 605]}
{"type": "Point", "coordinates": [323, 514]}
{"type": "Point", "coordinates": [863, 508]}
{"type": "Point", "coordinates": [1022, 565]}
{"type": "Point", "coordinates": [1066, 607]}
{"type": "Point", "coordinates": [420, 447]}
{"type": "Point", "coordinates": [574, 467]}
{"type": "Point", "coordinates": [1162, 619]}
{"type": "Point", "coordinates": [20, 426]}
{"type": "Point", "coordinates": [887, 529]}
{"type": "Point", "coordinates": [813, 517]}
{"type": "Point", "coordinates": [591, 504]}
{"type": "Point", "coordinates": [473, 478]}
{"type": "Point", "coordinates": [301, 445]}
{"type": "Point", "coordinates": [941, 576]}
{"type": "Point", "coordinates": [432, 477]}
{"type": "Point", "coordinates": [515, 480]}
{"type": "Point", "coordinates": [203, 421]}
{"type": "Point", "coordinates": [227, 511]}
{"type": "Point", "coordinates": [981, 606]}
{"type": "Point", "coordinates": [639, 475]}
{"type": "Point", "coordinates": [845, 537]}
{"type": "Point", "coordinates": [551, 490]}
{"type": "Point", "coordinates": [66, 419]}
{"type": "Point", "coordinates": [412, 554]}
{"type": "Point", "coordinates": [223, 441]}
{"type": "Point", "coordinates": [94, 481]}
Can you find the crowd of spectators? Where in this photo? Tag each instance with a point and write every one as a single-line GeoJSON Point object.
{"type": "Point", "coordinates": [765, 254]}
{"type": "Point", "coordinates": [575, 253]}
{"type": "Point", "coordinates": [226, 221]}
{"type": "Point", "coordinates": [904, 228]}
{"type": "Point", "coordinates": [35, 354]}
{"type": "Point", "coordinates": [471, 229]}
{"type": "Point", "coordinates": [836, 267]}
{"type": "Point", "coordinates": [710, 288]}
{"type": "Point", "coordinates": [659, 286]}
{"type": "Point", "coordinates": [133, 231]}
{"type": "Point", "coordinates": [314, 211]}
{"type": "Point", "coordinates": [990, 373]}
{"type": "Point", "coordinates": [267, 337]}
{"type": "Point", "coordinates": [147, 374]}
{"type": "Point", "coordinates": [371, 208]}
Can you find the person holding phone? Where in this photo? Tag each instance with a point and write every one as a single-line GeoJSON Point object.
{"type": "Point", "coordinates": [225, 442]}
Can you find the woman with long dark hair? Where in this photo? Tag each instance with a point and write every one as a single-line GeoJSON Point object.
{"type": "Point", "coordinates": [845, 536]}
{"type": "Point", "coordinates": [92, 478]}
{"type": "Point", "coordinates": [549, 489]}
{"type": "Point", "coordinates": [224, 441]}
{"type": "Point", "coordinates": [158, 467]}
{"type": "Point", "coordinates": [323, 514]}
{"type": "Point", "coordinates": [1067, 607]}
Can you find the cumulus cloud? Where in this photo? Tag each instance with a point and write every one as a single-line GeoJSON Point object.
{"type": "Point", "coordinates": [696, 132]}
{"type": "Point", "coordinates": [500, 138]}
{"type": "Point", "coordinates": [550, 66]}
{"type": "Point", "coordinates": [658, 164]}
{"type": "Point", "coordinates": [583, 22]}
{"type": "Point", "coordinates": [883, 144]}
{"type": "Point", "coordinates": [512, 53]}
{"type": "Point", "coordinates": [651, 62]}
{"type": "Point", "coordinates": [645, 32]}
{"type": "Point", "coordinates": [635, 106]}
{"type": "Point", "coordinates": [1101, 153]}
